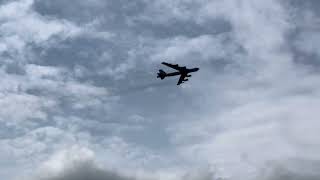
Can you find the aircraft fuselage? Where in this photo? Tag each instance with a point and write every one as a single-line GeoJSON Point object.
{"type": "Point", "coordinates": [186, 71]}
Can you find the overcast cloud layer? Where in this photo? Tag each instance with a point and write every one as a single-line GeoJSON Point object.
{"type": "Point", "coordinates": [79, 98]}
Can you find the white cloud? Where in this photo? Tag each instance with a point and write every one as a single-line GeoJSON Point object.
{"type": "Point", "coordinates": [21, 26]}
{"type": "Point", "coordinates": [203, 48]}
{"type": "Point", "coordinates": [68, 158]}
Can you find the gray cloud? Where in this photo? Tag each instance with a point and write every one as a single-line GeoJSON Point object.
{"type": "Point", "coordinates": [81, 163]}
{"type": "Point", "coordinates": [83, 74]}
{"type": "Point", "coordinates": [85, 172]}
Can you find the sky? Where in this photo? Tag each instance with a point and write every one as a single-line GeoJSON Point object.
{"type": "Point", "coordinates": [79, 97]}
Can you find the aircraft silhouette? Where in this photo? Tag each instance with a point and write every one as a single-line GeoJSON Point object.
{"type": "Point", "coordinates": [181, 70]}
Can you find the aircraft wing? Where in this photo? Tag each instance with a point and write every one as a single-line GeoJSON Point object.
{"type": "Point", "coordinates": [174, 66]}
{"type": "Point", "coordinates": [181, 79]}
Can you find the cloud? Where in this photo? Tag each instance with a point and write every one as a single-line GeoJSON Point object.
{"type": "Point", "coordinates": [79, 89]}
{"type": "Point", "coordinates": [223, 136]}
{"type": "Point", "coordinates": [82, 163]}
{"type": "Point", "coordinates": [76, 163]}
{"type": "Point", "coordinates": [85, 172]}
{"type": "Point", "coordinates": [37, 29]}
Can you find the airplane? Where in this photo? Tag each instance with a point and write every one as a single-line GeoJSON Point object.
{"type": "Point", "coordinates": [181, 70]}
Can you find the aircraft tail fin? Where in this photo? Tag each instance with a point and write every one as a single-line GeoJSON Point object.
{"type": "Point", "coordinates": [161, 74]}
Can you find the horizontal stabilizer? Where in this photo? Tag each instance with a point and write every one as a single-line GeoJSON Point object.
{"type": "Point", "coordinates": [161, 74]}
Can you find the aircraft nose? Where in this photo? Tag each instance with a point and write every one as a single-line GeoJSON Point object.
{"type": "Point", "coordinates": [197, 69]}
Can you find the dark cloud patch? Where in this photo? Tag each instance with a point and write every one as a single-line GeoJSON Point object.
{"type": "Point", "coordinates": [300, 57]}
{"type": "Point", "coordinates": [86, 171]}
{"type": "Point", "coordinates": [127, 17]}
{"type": "Point", "coordinates": [310, 5]}
{"type": "Point", "coordinates": [76, 51]}
{"type": "Point", "coordinates": [4, 1]}
{"type": "Point", "coordinates": [287, 175]}
{"type": "Point", "coordinates": [302, 37]}
{"type": "Point", "coordinates": [294, 170]}
{"type": "Point", "coordinates": [181, 28]}
{"type": "Point", "coordinates": [307, 60]}
{"type": "Point", "coordinates": [14, 68]}
{"type": "Point", "coordinates": [114, 12]}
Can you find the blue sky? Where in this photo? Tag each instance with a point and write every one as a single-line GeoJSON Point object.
{"type": "Point", "coordinates": [80, 98]}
